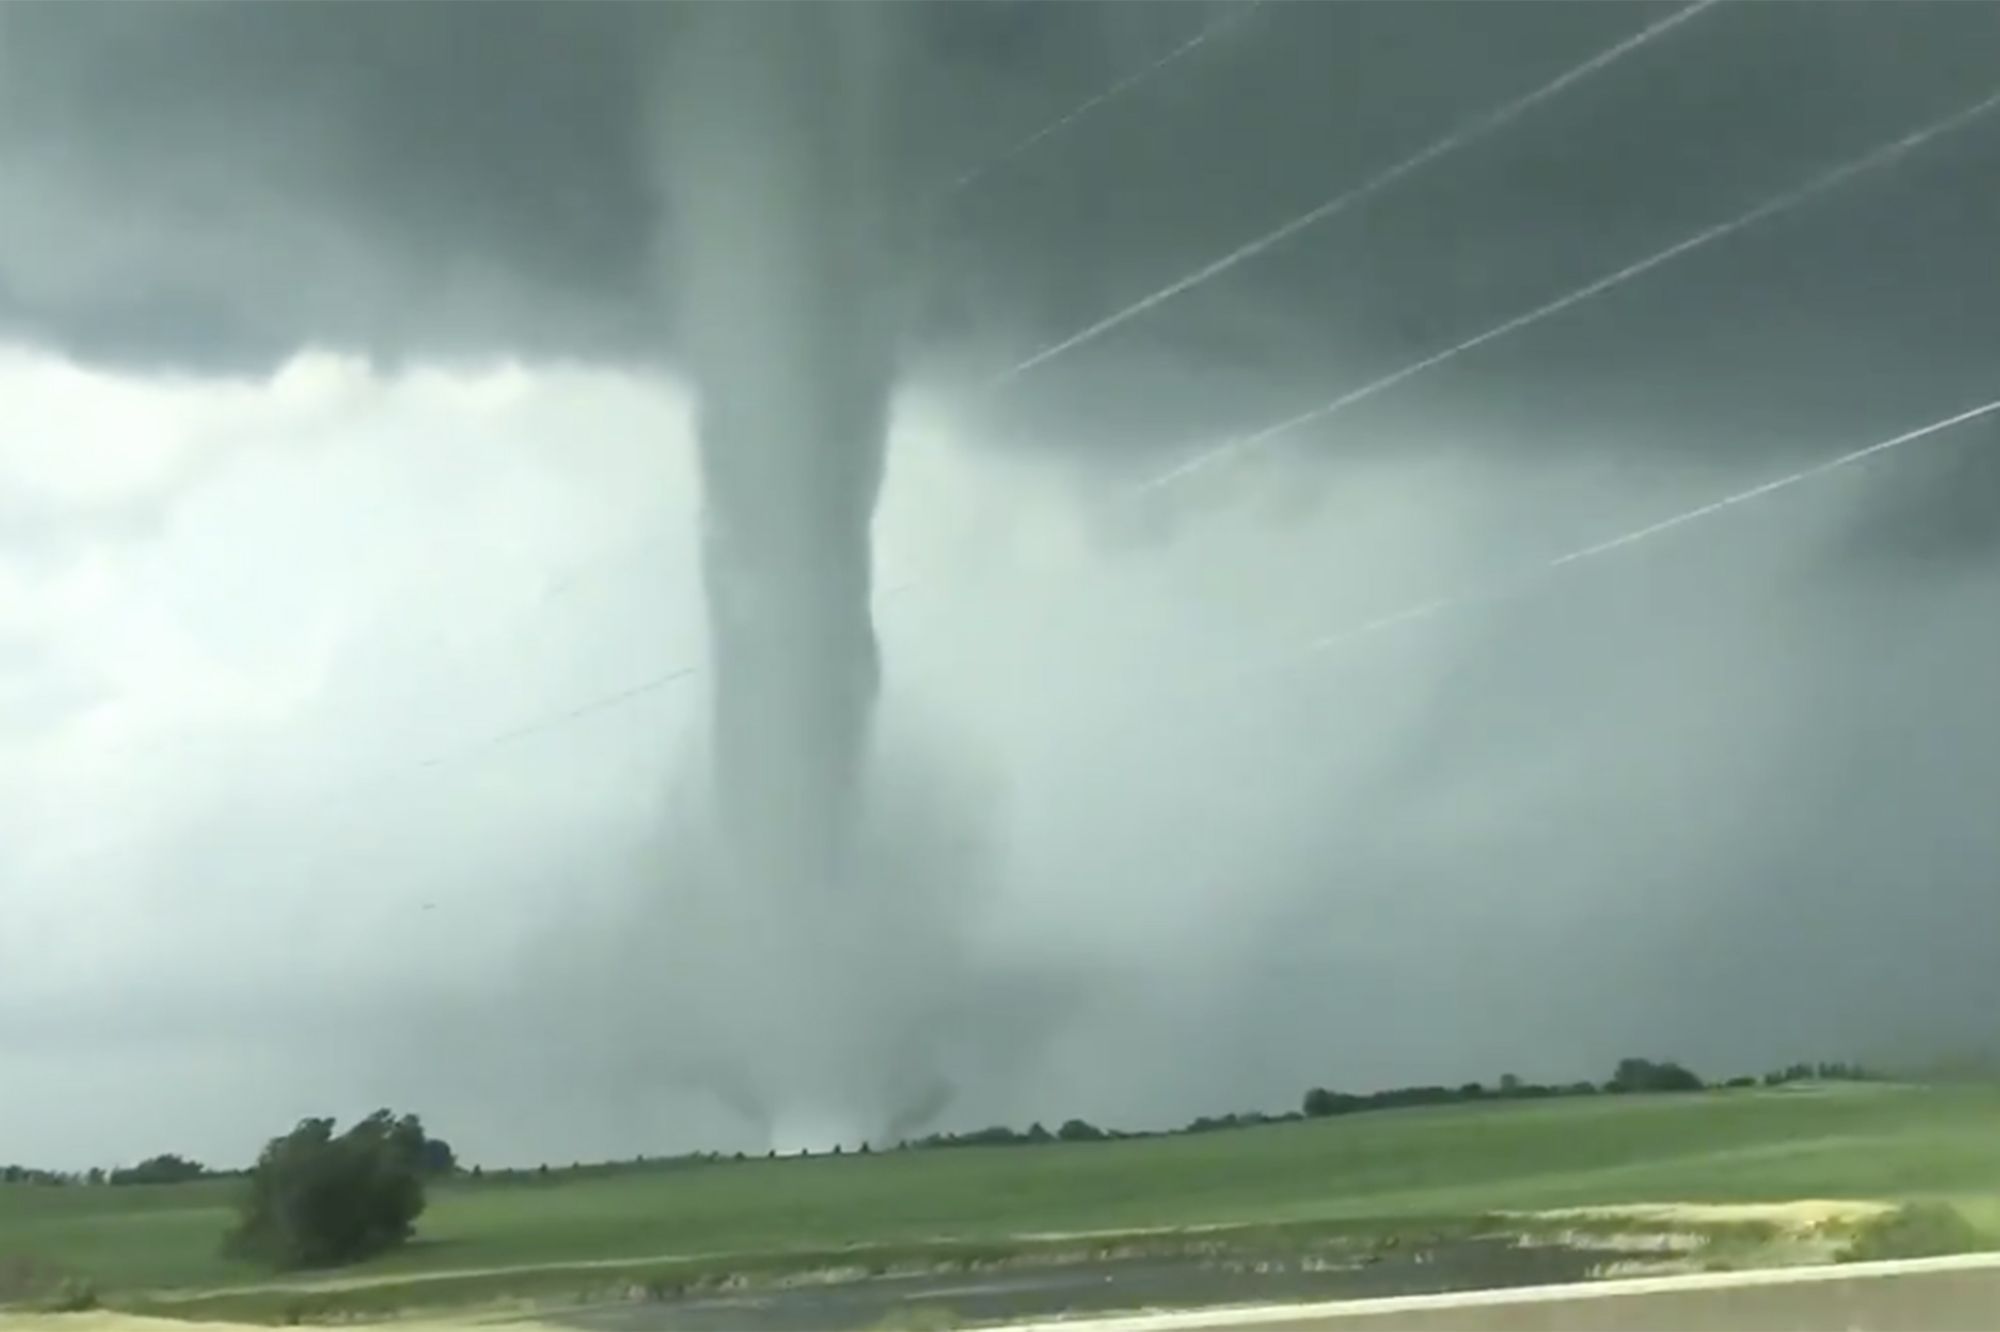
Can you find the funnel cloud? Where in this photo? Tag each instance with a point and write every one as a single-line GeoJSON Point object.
{"type": "Point", "coordinates": [785, 212]}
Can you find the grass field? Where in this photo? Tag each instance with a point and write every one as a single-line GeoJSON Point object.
{"type": "Point", "coordinates": [1853, 1141]}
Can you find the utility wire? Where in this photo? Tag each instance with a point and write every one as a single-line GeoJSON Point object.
{"type": "Point", "coordinates": [1478, 127]}
{"type": "Point", "coordinates": [344, 790]}
{"type": "Point", "coordinates": [1500, 587]}
{"type": "Point", "coordinates": [1798, 195]}
{"type": "Point", "coordinates": [558, 720]}
{"type": "Point", "coordinates": [1237, 14]}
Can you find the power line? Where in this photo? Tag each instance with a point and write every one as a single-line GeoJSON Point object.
{"type": "Point", "coordinates": [1781, 483]}
{"type": "Point", "coordinates": [1472, 130]}
{"type": "Point", "coordinates": [1749, 495]}
{"type": "Point", "coordinates": [344, 790]}
{"type": "Point", "coordinates": [1784, 202]}
{"type": "Point", "coordinates": [1238, 13]}
{"type": "Point", "coordinates": [560, 719]}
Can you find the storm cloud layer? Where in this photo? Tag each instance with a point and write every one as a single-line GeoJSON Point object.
{"type": "Point", "coordinates": [345, 429]}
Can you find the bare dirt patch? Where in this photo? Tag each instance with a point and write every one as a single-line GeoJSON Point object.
{"type": "Point", "coordinates": [107, 1321]}
{"type": "Point", "coordinates": [1663, 1238]}
{"type": "Point", "coordinates": [1799, 1215]}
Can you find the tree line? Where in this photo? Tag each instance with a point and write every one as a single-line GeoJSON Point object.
{"type": "Point", "coordinates": [1631, 1075]}
{"type": "Point", "coordinates": [166, 1168]}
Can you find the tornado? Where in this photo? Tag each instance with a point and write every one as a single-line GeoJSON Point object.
{"type": "Point", "coordinates": [780, 221]}
{"type": "Point", "coordinates": [778, 225]}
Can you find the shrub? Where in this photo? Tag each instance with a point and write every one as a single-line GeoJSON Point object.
{"type": "Point", "coordinates": [439, 1158]}
{"type": "Point", "coordinates": [1079, 1130]}
{"type": "Point", "coordinates": [1919, 1230]}
{"type": "Point", "coordinates": [1644, 1075]}
{"type": "Point", "coordinates": [74, 1295]}
{"type": "Point", "coordinates": [165, 1169]}
{"type": "Point", "coordinates": [25, 1280]}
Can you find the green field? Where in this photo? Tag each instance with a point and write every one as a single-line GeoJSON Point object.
{"type": "Point", "coordinates": [1381, 1168]}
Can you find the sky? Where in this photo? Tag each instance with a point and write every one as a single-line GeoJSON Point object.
{"type": "Point", "coordinates": [352, 656]}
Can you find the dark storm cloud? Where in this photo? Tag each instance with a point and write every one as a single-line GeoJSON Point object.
{"type": "Point", "coordinates": [215, 185]}
{"type": "Point", "coordinates": [1703, 124]}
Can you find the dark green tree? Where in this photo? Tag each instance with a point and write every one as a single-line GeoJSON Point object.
{"type": "Point", "coordinates": [1644, 1075]}
{"type": "Point", "coordinates": [439, 1158]}
{"type": "Point", "coordinates": [164, 1169]}
{"type": "Point", "coordinates": [320, 1199]}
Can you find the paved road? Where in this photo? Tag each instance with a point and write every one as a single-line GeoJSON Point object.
{"type": "Point", "coordinates": [1955, 1294]}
